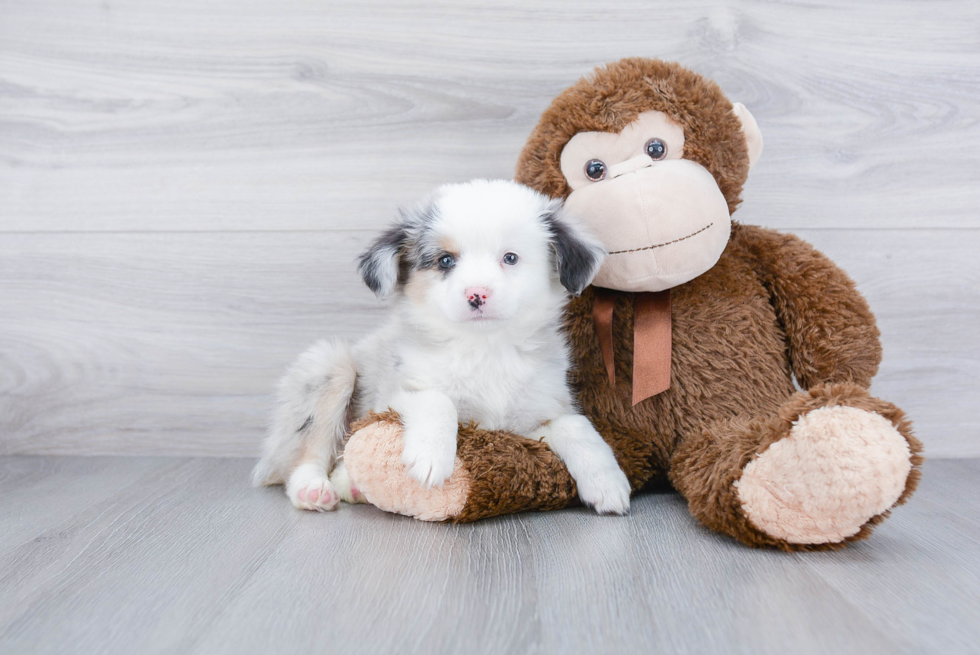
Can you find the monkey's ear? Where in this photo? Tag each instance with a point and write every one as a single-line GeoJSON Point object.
{"type": "Point", "coordinates": [578, 254]}
{"type": "Point", "coordinates": [753, 136]}
{"type": "Point", "coordinates": [378, 265]}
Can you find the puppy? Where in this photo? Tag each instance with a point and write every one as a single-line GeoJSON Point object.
{"type": "Point", "coordinates": [479, 273]}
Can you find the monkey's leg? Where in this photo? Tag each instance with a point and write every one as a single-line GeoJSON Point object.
{"type": "Point", "coordinates": [495, 473]}
{"type": "Point", "coordinates": [817, 474]}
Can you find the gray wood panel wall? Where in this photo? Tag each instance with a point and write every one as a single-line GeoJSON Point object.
{"type": "Point", "coordinates": [184, 185]}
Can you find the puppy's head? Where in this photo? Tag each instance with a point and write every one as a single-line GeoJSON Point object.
{"type": "Point", "coordinates": [482, 252]}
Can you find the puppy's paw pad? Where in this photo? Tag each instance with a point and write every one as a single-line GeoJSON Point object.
{"type": "Point", "coordinates": [343, 485]}
{"type": "Point", "coordinates": [315, 494]}
{"type": "Point", "coordinates": [356, 495]}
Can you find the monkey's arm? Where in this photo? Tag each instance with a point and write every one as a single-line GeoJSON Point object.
{"type": "Point", "coordinates": [830, 330]}
{"type": "Point", "coordinates": [495, 473]}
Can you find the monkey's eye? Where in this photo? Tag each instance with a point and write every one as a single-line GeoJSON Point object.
{"type": "Point", "coordinates": [446, 262]}
{"type": "Point", "coordinates": [510, 259]}
{"type": "Point", "coordinates": [656, 148]}
{"type": "Point", "coordinates": [595, 170]}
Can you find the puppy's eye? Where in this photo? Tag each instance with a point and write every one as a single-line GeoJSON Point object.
{"type": "Point", "coordinates": [595, 170]}
{"type": "Point", "coordinates": [510, 259]}
{"type": "Point", "coordinates": [446, 262]}
{"type": "Point", "coordinates": [656, 148]}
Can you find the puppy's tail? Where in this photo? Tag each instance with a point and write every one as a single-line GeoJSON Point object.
{"type": "Point", "coordinates": [311, 417]}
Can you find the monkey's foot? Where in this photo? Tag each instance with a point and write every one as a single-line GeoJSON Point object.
{"type": "Point", "coordinates": [837, 468]}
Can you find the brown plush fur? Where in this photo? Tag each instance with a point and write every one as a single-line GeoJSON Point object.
{"type": "Point", "coordinates": [772, 308]}
{"type": "Point", "coordinates": [511, 474]}
{"type": "Point", "coordinates": [707, 464]}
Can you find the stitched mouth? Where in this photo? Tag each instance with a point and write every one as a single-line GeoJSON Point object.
{"type": "Point", "coordinates": [665, 243]}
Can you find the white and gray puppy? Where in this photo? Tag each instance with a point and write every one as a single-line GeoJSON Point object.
{"type": "Point", "coordinates": [480, 273]}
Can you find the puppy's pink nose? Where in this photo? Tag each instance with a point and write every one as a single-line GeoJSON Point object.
{"type": "Point", "coordinates": [477, 296]}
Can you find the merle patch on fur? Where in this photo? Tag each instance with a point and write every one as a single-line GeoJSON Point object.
{"type": "Point", "coordinates": [576, 260]}
{"type": "Point", "coordinates": [406, 244]}
{"type": "Point", "coordinates": [378, 265]}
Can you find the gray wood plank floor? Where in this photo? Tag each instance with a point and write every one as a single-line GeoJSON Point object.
{"type": "Point", "coordinates": [178, 555]}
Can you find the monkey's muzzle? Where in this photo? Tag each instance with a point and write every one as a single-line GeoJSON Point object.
{"type": "Point", "coordinates": [663, 223]}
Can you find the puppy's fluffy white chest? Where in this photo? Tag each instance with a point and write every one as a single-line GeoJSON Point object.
{"type": "Point", "coordinates": [500, 385]}
{"type": "Point", "coordinates": [497, 382]}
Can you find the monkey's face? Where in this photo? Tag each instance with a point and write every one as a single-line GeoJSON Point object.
{"type": "Point", "coordinates": [662, 218]}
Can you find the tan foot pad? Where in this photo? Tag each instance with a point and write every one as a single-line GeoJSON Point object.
{"type": "Point", "coordinates": [837, 468]}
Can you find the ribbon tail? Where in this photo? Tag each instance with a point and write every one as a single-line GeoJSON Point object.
{"type": "Point", "coordinates": [651, 344]}
{"type": "Point", "coordinates": [602, 317]}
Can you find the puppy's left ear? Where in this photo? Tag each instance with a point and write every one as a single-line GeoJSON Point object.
{"type": "Point", "coordinates": [378, 265]}
{"type": "Point", "coordinates": [578, 254]}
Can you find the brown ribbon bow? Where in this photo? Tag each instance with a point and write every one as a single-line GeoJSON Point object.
{"type": "Point", "coordinates": [651, 339]}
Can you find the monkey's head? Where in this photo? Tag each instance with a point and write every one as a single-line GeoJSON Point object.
{"type": "Point", "coordinates": [652, 157]}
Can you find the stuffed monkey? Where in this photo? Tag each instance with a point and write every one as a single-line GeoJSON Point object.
{"type": "Point", "coordinates": [688, 348]}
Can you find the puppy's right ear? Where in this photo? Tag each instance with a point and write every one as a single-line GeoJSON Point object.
{"type": "Point", "coordinates": [379, 264]}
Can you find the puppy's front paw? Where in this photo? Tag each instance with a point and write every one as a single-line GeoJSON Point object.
{"type": "Point", "coordinates": [430, 458]}
{"type": "Point", "coordinates": [309, 488]}
{"type": "Point", "coordinates": [606, 489]}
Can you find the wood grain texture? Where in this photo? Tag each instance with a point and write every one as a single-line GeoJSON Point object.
{"type": "Point", "coordinates": [186, 559]}
{"type": "Point", "coordinates": [183, 187]}
{"type": "Point", "coordinates": [171, 343]}
{"type": "Point", "coordinates": [262, 115]}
